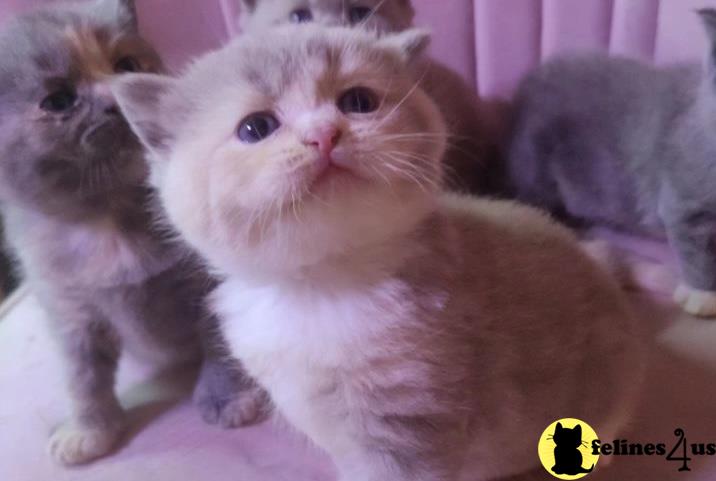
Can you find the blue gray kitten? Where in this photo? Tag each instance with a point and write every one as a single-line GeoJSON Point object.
{"type": "Point", "coordinates": [613, 141]}
{"type": "Point", "coordinates": [72, 190]}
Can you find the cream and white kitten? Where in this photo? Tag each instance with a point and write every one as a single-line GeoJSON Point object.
{"type": "Point", "coordinates": [413, 335]}
{"type": "Point", "coordinates": [476, 126]}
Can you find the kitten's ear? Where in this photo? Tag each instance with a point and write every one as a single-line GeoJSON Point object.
{"type": "Point", "coordinates": [558, 427]}
{"type": "Point", "coordinates": [248, 5]}
{"type": "Point", "coordinates": [410, 44]}
{"type": "Point", "coordinates": [578, 430]}
{"type": "Point", "coordinates": [123, 12]}
{"type": "Point", "coordinates": [141, 97]}
{"type": "Point", "coordinates": [708, 17]}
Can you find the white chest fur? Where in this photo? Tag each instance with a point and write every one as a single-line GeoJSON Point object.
{"type": "Point", "coordinates": [298, 340]}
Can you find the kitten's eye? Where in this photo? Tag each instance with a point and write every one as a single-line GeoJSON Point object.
{"type": "Point", "coordinates": [126, 65]}
{"type": "Point", "coordinates": [257, 127]}
{"type": "Point", "coordinates": [358, 14]}
{"type": "Point", "coordinates": [358, 100]}
{"type": "Point", "coordinates": [59, 101]}
{"type": "Point", "coordinates": [301, 15]}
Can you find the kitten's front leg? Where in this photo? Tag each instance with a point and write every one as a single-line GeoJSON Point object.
{"type": "Point", "coordinates": [224, 393]}
{"type": "Point", "coordinates": [693, 236]}
{"type": "Point", "coordinates": [91, 351]}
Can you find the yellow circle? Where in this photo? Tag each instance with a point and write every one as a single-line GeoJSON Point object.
{"type": "Point", "coordinates": [565, 449]}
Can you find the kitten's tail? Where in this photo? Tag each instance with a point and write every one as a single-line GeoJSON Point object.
{"type": "Point", "coordinates": [582, 470]}
{"type": "Point", "coordinates": [631, 272]}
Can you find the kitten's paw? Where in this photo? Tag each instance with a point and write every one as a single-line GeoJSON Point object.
{"type": "Point", "coordinates": [72, 444]}
{"type": "Point", "coordinates": [239, 408]}
{"type": "Point", "coordinates": [226, 396]}
{"type": "Point", "coordinates": [696, 302]}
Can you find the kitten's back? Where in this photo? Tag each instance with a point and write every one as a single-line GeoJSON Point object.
{"type": "Point", "coordinates": [541, 329]}
{"type": "Point", "coordinates": [621, 97]}
{"type": "Point", "coordinates": [589, 133]}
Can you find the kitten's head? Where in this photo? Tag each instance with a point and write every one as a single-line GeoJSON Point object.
{"type": "Point", "coordinates": [568, 438]}
{"type": "Point", "coordinates": [381, 15]}
{"type": "Point", "coordinates": [286, 147]}
{"type": "Point", "coordinates": [65, 148]}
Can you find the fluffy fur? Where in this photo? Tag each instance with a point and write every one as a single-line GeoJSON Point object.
{"type": "Point", "coordinates": [476, 127]}
{"type": "Point", "coordinates": [412, 335]}
{"type": "Point", "coordinates": [72, 187]}
{"type": "Point", "coordinates": [613, 141]}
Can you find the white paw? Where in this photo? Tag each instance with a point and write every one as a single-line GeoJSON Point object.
{"type": "Point", "coordinates": [71, 444]}
{"type": "Point", "coordinates": [696, 302]}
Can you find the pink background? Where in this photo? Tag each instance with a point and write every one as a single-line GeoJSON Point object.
{"type": "Point", "coordinates": [490, 42]}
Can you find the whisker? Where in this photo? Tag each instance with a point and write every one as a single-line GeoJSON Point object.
{"type": "Point", "coordinates": [373, 11]}
{"type": "Point", "coordinates": [410, 171]}
{"type": "Point", "coordinates": [402, 101]}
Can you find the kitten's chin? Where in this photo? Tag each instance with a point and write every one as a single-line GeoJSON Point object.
{"type": "Point", "coordinates": [322, 232]}
{"type": "Point", "coordinates": [332, 179]}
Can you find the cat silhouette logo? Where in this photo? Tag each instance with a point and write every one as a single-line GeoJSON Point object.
{"type": "Point", "coordinates": [564, 449]}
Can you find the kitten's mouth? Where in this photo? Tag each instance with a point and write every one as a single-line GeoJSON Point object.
{"type": "Point", "coordinates": [109, 134]}
{"type": "Point", "coordinates": [328, 171]}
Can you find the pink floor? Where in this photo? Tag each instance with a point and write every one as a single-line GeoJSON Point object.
{"type": "Point", "coordinates": [170, 443]}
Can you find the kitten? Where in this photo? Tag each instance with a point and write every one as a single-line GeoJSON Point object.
{"type": "Point", "coordinates": [404, 331]}
{"type": "Point", "coordinates": [613, 141]}
{"type": "Point", "coordinates": [72, 190]}
{"type": "Point", "coordinates": [475, 125]}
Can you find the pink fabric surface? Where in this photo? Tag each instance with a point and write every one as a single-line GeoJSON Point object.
{"type": "Point", "coordinates": [586, 25]}
{"type": "Point", "coordinates": [634, 28]}
{"type": "Point", "coordinates": [508, 43]}
{"type": "Point", "coordinates": [183, 29]}
{"type": "Point", "coordinates": [454, 22]}
{"type": "Point", "coordinates": [680, 36]}
{"type": "Point", "coordinates": [8, 7]}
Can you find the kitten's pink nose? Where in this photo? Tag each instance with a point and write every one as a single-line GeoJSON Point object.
{"type": "Point", "coordinates": [325, 138]}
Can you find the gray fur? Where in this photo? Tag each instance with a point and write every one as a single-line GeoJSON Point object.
{"type": "Point", "coordinates": [613, 141]}
{"type": "Point", "coordinates": [77, 211]}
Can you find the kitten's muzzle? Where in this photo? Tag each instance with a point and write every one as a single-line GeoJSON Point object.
{"type": "Point", "coordinates": [324, 138]}
{"type": "Point", "coordinates": [110, 131]}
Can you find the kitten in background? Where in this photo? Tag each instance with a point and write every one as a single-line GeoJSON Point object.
{"type": "Point", "coordinates": [8, 272]}
{"type": "Point", "coordinates": [77, 213]}
{"type": "Point", "coordinates": [611, 141]}
{"type": "Point", "coordinates": [475, 126]}
{"type": "Point", "coordinates": [415, 336]}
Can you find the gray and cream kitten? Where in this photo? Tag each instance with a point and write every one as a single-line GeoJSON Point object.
{"type": "Point", "coordinates": [475, 126]}
{"type": "Point", "coordinates": [415, 336]}
{"type": "Point", "coordinates": [613, 141]}
{"type": "Point", "coordinates": [77, 211]}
